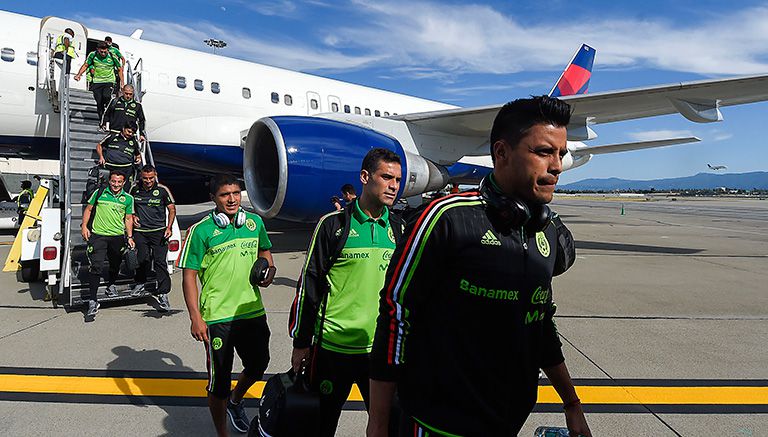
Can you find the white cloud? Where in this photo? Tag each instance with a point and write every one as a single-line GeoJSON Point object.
{"type": "Point", "coordinates": [284, 53]}
{"type": "Point", "coordinates": [479, 39]}
{"type": "Point", "coordinates": [722, 136]}
{"type": "Point", "coordinates": [661, 134]}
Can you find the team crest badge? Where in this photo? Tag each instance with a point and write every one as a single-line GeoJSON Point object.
{"type": "Point", "coordinates": [391, 234]}
{"type": "Point", "coordinates": [250, 224]}
{"type": "Point", "coordinates": [542, 244]}
{"type": "Point", "coordinates": [130, 142]}
{"type": "Point", "coordinates": [216, 343]}
{"type": "Point", "coordinates": [122, 198]}
{"type": "Point", "coordinates": [156, 193]}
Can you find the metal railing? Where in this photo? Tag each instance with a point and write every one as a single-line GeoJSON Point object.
{"type": "Point", "coordinates": [64, 164]}
{"type": "Point", "coordinates": [133, 77]}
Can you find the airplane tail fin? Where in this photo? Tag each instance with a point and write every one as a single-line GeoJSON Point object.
{"type": "Point", "coordinates": [575, 77]}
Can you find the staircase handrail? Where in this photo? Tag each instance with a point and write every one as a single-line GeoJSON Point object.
{"type": "Point", "coordinates": [65, 171]}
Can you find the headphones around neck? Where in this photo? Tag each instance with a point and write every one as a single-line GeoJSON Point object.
{"type": "Point", "coordinates": [222, 220]}
{"type": "Point", "coordinates": [515, 213]}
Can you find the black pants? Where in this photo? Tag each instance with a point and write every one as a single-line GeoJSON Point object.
{"type": "Point", "coordinates": [334, 374]}
{"type": "Point", "coordinates": [250, 338]}
{"type": "Point", "coordinates": [99, 248]}
{"type": "Point", "coordinates": [153, 243]}
{"type": "Point", "coordinates": [68, 61]}
{"type": "Point", "coordinates": [126, 171]}
{"type": "Point", "coordinates": [102, 93]}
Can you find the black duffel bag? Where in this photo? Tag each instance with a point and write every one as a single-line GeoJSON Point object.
{"type": "Point", "coordinates": [287, 407]}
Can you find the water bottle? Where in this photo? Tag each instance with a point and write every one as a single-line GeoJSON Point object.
{"type": "Point", "coordinates": [551, 431]}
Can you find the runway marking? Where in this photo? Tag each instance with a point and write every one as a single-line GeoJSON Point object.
{"type": "Point", "coordinates": [604, 395]}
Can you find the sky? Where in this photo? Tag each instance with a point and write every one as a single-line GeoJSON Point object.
{"type": "Point", "coordinates": [490, 52]}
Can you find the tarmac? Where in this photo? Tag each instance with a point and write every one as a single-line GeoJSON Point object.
{"type": "Point", "coordinates": [663, 319]}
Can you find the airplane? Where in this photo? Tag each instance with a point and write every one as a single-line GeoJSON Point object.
{"type": "Point", "coordinates": [296, 138]}
{"type": "Point", "coordinates": [717, 167]}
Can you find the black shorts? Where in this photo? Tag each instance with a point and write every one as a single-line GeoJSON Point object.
{"type": "Point", "coordinates": [250, 338]}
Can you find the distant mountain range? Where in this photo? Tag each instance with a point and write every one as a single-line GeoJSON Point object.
{"type": "Point", "coordinates": [703, 181]}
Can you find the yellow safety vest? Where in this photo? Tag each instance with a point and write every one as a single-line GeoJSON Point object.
{"type": "Point", "coordinates": [60, 47]}
{"type": "Point", "coordinates": [23, 204]}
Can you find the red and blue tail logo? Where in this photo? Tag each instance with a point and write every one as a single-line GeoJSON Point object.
{"type": "Point", "coordinates": [575, 78]}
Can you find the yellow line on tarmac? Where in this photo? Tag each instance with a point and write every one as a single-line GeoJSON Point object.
{"type": "Point", "coordinates": [84, 385]}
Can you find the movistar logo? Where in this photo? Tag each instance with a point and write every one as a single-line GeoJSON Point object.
{"type": "Point", "coordinates": [490, 293]}
{"type": "Point", "coordinates": [353, 233]}
{"type": "Point", "coordinates": [490, 239]}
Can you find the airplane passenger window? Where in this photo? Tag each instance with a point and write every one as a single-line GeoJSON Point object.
{"type": "Point", "coordinates": [215, 87]}
{"type": "Point", "coordinates": [394, 113]}
{"type": "Point", "coordinates": [386, 114]}
{"type": "Point", "coordinates": [377, 113]}
{"type": "Point", "coordinates": [367, 111]}
{"type": "Point", "coordinates": [313, 104]}
{"type": "Point", "coordinates": [288, 100]}
{"type": "Point", "coordinates": [246, 93]}
{"type": "Point", "coordinates": [335, 107]}
{"type": "Point", "coordinates": [7, 54]}
{"type": "Point", "coordinates": [346, 109]}
{"type": "Point", "coordinates": [32, 58]}
{"type": "Point", "coordinates": [275, 98]}
{"type": "Point", "coordinates": [198, 84]}
{"type": "Point", "coordinates": [181, 82]}
{"type": "Point", "coordinates": [357, 110]}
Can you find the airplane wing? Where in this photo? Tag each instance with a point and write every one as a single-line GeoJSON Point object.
{"type": "Point", "coordinates": [625, 147]}
{"type": "Point", "coordinates": [698, 101]}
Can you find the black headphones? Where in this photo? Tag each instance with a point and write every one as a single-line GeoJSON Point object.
{"type": "Point", "coordinates": [512, 212]}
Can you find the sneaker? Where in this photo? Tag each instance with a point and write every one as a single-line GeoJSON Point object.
{"type": "Point", "coordinates": [111, 290]}
{"type": "Point", "coordinates": [237, 416]}
{"type": "Point", "coordinates": [93, 308]}
{"type": "Point", "coordinates": [165, 304]}
{"type": "Point", "coordinates": [137, 290]}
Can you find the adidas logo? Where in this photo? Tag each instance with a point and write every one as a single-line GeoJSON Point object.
{"type": "Point", "coordinates": [490, 239]}
{"type": "Point", "coordinates": [216, 232]}
{"type": "Point", "coordinates": [353, 233]}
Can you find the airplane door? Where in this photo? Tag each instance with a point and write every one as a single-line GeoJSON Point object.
{"type": "Point", "coordinates": [314, 105]}
{"type": "Point", "coordinates": [334, 104]}
{"type": "Point", "coordinates": [50, 29]}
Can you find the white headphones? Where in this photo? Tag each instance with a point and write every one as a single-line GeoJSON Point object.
{"type": "Point", "coordinates": [222, 220]}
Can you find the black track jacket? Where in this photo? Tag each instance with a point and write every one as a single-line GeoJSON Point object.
{"type": "Point", "coordinates": [465, 317]}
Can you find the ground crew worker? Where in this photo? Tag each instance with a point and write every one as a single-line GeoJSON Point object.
{"type": "Point", "coordinates": [466, 313]}
{"type": "Point", "coordinates": [120, 151]}
{"type": "Point", "coordinates": [116, 53]}
{"type": "Point", "coordinates": [228, 314]}
{"type": "Point", "coordinates": [24, 199]}
{"type": "Point", "coordinates": [348, 193]}
{"type": "Point", "coordinates": [152, 229]}
{"type": "Point", "coordinates": [102, 64]}
{"type": "Point", "coordinates": [123, 109]}
{"type": "Point", "coordinates": [112, 224]}
{"type": "Point", "coordinates": [65, 48]}
{"type": "Point", "coordinates": [339, 287]}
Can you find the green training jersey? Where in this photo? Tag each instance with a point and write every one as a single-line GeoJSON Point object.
{"type": "Point", "coordinates": [109, 216]}
{"type": "Point", "coordinates": [223, 258]}
{"type": "Point", "coordinates": [355, 280]}
{"type": "Point", "coordinates": [116, 53]}
{"type": "Point", "coordinates": [103, 68]}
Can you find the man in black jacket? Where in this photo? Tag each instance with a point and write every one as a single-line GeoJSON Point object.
{"type": "Point", "coordinates": [124, 109]}
{"type": "Point", "coordinates": [466, 313]}
{"type": "Point", "coordinates": [339, 287]}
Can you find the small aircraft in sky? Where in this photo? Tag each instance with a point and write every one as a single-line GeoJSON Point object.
{"type": "Point", "coordinates": [716, 167]}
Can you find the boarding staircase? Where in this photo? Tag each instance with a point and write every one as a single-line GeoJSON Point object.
{"type": "Point", "coordinates": [79, 136]}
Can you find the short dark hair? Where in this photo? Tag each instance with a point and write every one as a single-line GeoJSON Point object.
{"type": "Point", "coordinates": [148, 168]}
{"type": "Point", "coordinates": [101, 45]}
{"type": "Point", "coordinates": [116, 172]}
{"type": "Point", "coordinates": [516, 117]}
{"type": "Point", "coordinates": [348, 189]}
{"type": "Point", "coordinates": [26, 185]}
{"type": "Point", "coordinates": [375, 156]}
{"type": "Point", "coordinates": [222, 179]}
{"type": "Point", "coordinates": [130, 124]}
{"type": "Point", "coordinates": [107, 39]}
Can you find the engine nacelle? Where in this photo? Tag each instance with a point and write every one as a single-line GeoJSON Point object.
{"type": "Point", "coordinates": [293, 165]}
{"type": "Point", "coordinates": [573, 158]}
